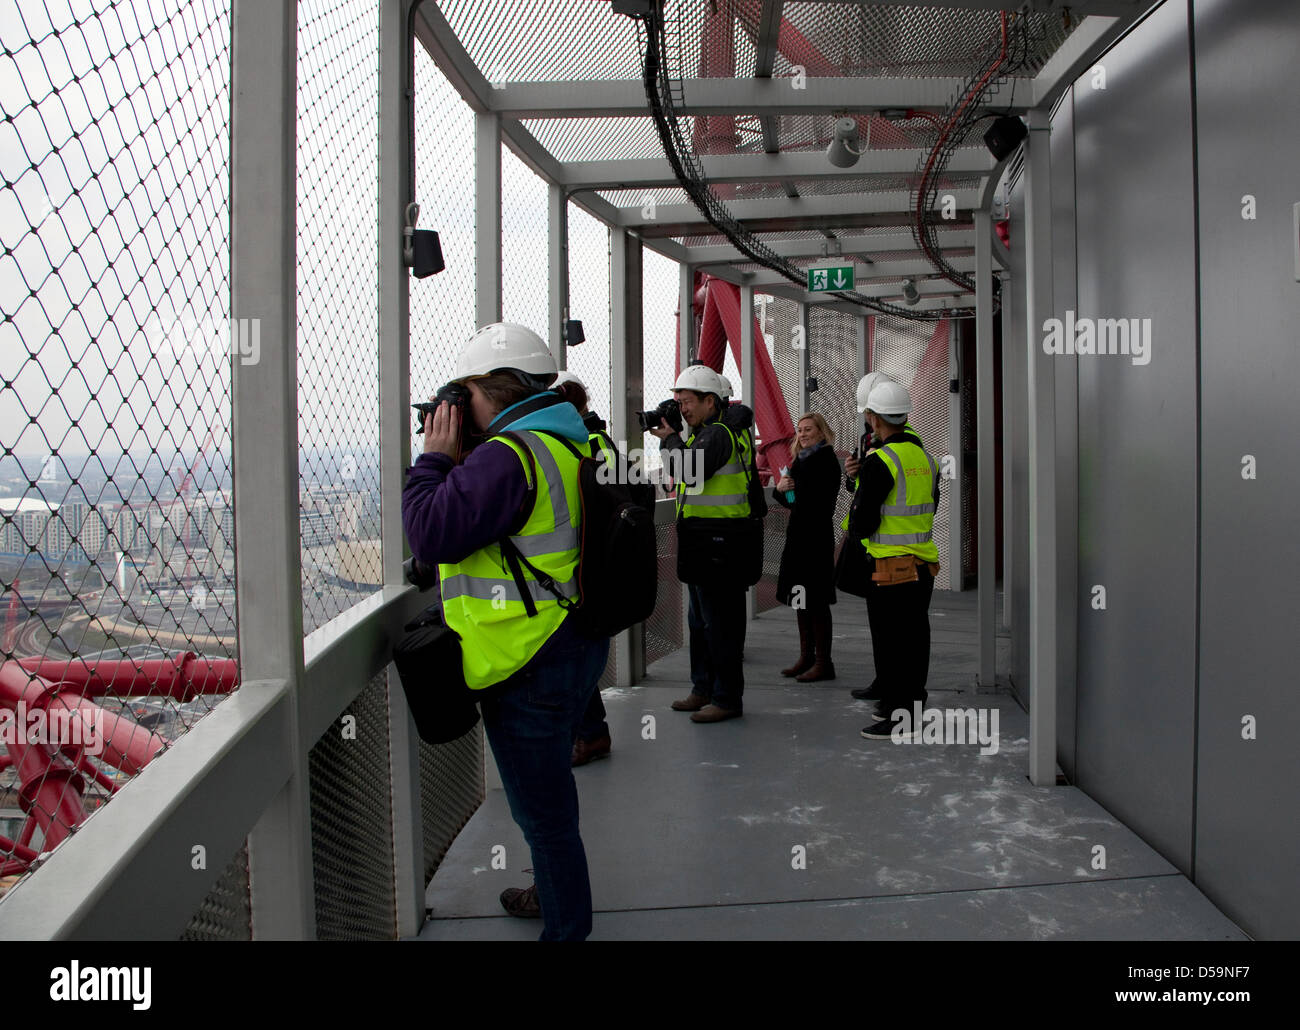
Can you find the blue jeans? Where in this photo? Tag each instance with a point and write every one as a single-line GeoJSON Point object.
{"type": "Point", "coordinates": [530, 721]}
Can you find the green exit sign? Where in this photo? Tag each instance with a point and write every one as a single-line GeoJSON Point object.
{"type": "Point", "coordinates": [821, 280]}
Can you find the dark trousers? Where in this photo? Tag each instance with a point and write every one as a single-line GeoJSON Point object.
{"type": "Point", "coordinates": [593, 725]}
{"type": "Point", "coordinates": [716, 619]}
{"type": "Point", "coordinates": [900, 638]}
{"type": "Point", "coordinates": [530, 722]}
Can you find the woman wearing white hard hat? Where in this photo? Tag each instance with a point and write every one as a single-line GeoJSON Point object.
{"type": "Point", "coordinates": [534, 673]}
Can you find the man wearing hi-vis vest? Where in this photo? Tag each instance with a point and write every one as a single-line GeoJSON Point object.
{"type": "Point", "coordinates": [713, 536]}
{"type": "Point", "coordinates": [894, 520]}
{"type": "Point", "coordinates": [533, 673]}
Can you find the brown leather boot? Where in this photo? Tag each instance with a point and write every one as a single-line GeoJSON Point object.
{"type": "Point", "coordinates": [823, 668]}
{"type": "Point", "coordinates": [805, 645]}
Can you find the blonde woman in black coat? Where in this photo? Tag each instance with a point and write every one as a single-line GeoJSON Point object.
{"type": "Point", "coordinates": [806, 580]}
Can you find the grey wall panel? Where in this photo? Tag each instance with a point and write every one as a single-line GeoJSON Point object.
{"type": "Point", "coordinates": [1015, 394]}
{"type": "Point", "coordinates": [1248, 128]}
{"type": "Point", "coordinates": [1137, 426]}
{"type": "Point", "coordinates": [1064, 298]}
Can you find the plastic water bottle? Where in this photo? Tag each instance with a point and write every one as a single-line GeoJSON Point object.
{"type": "Point", "coordinates": [789, 494]}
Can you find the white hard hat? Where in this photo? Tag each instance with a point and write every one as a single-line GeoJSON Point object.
{"type": "Point", "coordinates": [889, 398]}
{"type": "Point", "coordinates": [567, 377]}
{"type": "Point", "coordinates": [701, 379]}
{"type": "Point", "coordinates": [505, 345]}
{"type": "Point", "coordinates": [866, 383]}
{"type": "Point", "coordinates": [726, 387]}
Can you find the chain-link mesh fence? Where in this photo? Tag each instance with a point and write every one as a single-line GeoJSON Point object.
{"type": "Point", "coordinates": [525, 260]}
{"type": "Point", "coordinates": [833, 362]}
{"type": "Point", "coordinates": [338, 305]}
{"type": "Point", "coordinates": [779, 332]}
{"type": "Point", "coordinates": [589, 302]}
{"type": "Point", "coordinates": [660, 286]}
{"type": "Point", "coordinates": [663, 630]}
{"type": "Point", "coordinates": [116, 518]}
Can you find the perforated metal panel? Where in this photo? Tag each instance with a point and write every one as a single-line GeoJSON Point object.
{"type": "Point", "coordinates": [451, 789]}
{"type": "Point", "coordinates": [352, 822]}
{"type": "Point", "coordinates": [226, 914]}
{"type": "Point", "coordinates": [663, 630]}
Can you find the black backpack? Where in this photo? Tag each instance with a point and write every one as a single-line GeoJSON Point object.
{"type": "Point", "coordinates": [618, 564]}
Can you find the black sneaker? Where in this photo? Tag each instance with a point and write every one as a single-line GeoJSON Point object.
{"type": "Point", "coordinates": [871, 693]}
{"type": "Point", "coordinates": [884, 730]}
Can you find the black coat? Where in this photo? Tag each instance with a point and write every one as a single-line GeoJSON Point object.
{"type": "Point", "coordinates": [809, 556]}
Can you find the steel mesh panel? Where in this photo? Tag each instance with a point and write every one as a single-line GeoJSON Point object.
{"type": "Point", "coordinates": [774, 530]}
{"type": "Point", "coordinates": [833, 361]}
{"type": "Point", "coordinates": [226, 914]}
{"type": "Point", "coordinates": [442, 306]}
{"type": "Point", "coordinates": [116, 525]}
{"type": "Point", "coordinates": [525, 259]}
{"type": "Point", "coordinates": [451, 789]}
{"type": "Point", "coordinates": [589, 300]}
{"type": "Point", "coordinates": [338, 305]}
{"type": "Point", "coordinates": [589, 139]}
{"type": "Point", "coordinates": [900, 349]}
{"type": "Point", "coordinates": [544, 40]}
{"type": "Point", "coordinates": [647, 199]}
{"type": "Point", "coordinates": [778, 319]}
{"type": "Point", "coordinates": [663, 630]}
{"type": "Point", "coordinates": [352, 822]}
{"type": "Point", "coordinates": [871, 39]}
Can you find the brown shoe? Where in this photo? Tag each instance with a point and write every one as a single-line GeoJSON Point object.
{"type": "Point", "coordinates": [522, 902]}
{"type": "Point", "coordinates": [585, 751]}
{"type": "Point", "coordinates": [712, 713]}
{"type": "Point", "coordinates": [693, 703]}
{"type": "Point", "coordinates": [819, 671]}
{"type": "Point", "coordinates": [805, 659]}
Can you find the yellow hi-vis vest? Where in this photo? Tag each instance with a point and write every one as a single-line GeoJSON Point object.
{"type": "Point", "coordinates": [724, 495]}
{"type": "Point", "coordinates": [907, 515]}
{"type": "Point", "coordinates": [481, 600]}
{"type": "Point", "coordinates": [907, 428]}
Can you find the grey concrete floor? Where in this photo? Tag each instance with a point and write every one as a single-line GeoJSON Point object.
{"type": "Point", "coordinates": [787, 824]}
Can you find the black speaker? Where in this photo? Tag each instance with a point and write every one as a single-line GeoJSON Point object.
{"type": "Point", "coordinates": [573, 334]}
{"type": "Point", "coordinates": [428, 253]}
{"type": "Point", "coordinates": [1004, 136]}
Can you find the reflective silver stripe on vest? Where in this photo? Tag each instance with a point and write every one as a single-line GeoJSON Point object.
{"type": "Point", "coordinates": [713, 500]}
{"type": "Point", "coordinates": [564, 537]}
{"type": "Point", "coordinates": [485, 588]}
{"type": "Point", "coordinates": [730, 470]}
{"type": "Point", "coordinates": [901, 538]}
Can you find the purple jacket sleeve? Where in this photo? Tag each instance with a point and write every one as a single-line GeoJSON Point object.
{"type": "Point", "coordinates": [450, 511]}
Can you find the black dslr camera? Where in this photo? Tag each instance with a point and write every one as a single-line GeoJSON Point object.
{"type": "Point", "coordinates": [668, 411]}
{"type": "Point", "coordinates": [454, 393]}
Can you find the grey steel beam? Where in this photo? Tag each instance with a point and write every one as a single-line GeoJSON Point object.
{"type": "Point", "coordinates": [747, 391]}
{"type": "Point", "coordinates": [626, 396]}
{"type": "Point", "coordinates": [805, 364]}
{"type": "Point", "coordinates": [606, 98]}
{"type": "Point", "coordinates": [685, 317]}
{"type": "Point", "coordinates": [395, 189]}
{"type": "Point", "coordinates": [957, 485]}
{"type": "Point", "coordinates": [843, 246]}
{"type": "Point", "coordinates": [765, 49]}
{"type": "Point", "coordinates": [558, 256]}
{"type": "Point", "coordinates": [1080, 8]}
{"type": "Point", "coordinates": [652, 172]}
{"type": "Point", "coordinates": [434, 33]}
{"type": "Point", "coordinates": [808, 212]}
{"type": "Point", "coordinates": [868, 273]}
{"type": "Point", "coordinates": [791, 222]}
{"type": "Point", "coordinates": [263, 269]}
{"type": "Point", "coordinates": [128, 873]}
{"type": "Point", "coordinates": [1042, 456]}
{"type": "Point", "coordinates": [985, 449]}
{"type": "Point", "coordinates": [487, 219]}
{"type": "Point", "coordinates": [1080, 50]}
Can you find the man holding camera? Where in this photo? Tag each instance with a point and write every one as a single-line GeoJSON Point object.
{"type": "Point", "coordinates": [719, 546]}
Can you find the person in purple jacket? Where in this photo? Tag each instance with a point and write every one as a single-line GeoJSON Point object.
{"type": "Point", "coordinates": [534, 685]}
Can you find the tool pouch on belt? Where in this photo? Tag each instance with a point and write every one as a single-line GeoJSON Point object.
{"type": "Point", "coordinates": [900, 568]}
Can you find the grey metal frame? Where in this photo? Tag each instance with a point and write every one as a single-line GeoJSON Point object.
{"type": "Point", "coordinates": [985, 469]}
{"type": "Point", "coordinates": [1042, 456]}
